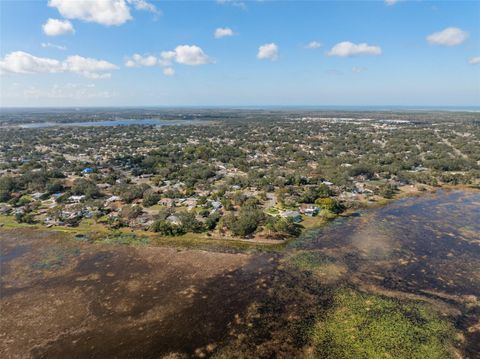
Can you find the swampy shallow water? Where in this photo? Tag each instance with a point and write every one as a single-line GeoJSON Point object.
{"type": "Point", "coordinates": [65, 298]}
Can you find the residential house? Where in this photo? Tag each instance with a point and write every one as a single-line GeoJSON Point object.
{"type": "Point", "coordinates": [309, 210]}
{"type": "Point", "coordinates": [295, 215]}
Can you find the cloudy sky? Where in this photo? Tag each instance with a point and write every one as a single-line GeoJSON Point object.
{"type": "Point", "coordinates": [229, 52]}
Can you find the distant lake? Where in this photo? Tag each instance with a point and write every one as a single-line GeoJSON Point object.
{"type": "Point", "coordinates": [126, 122]}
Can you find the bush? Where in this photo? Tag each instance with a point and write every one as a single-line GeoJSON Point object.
{"type": "Point", "coordinates": [25, 218]}
{"type": "Point", "coordinates": [387, 191]}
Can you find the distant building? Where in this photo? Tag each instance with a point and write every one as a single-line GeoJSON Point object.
{"type": "Point", "coordinates": [174, 220]}
{"type": "Point", "coordinates": [76, 199]}
{"type": "Point", "coordinates": [309, 210]}
{"type": "Point", "coordinates": [87, 170]}
{"type": "Point", "coordinates": [216, 205]}
{"type": "Point", "coordinates": [37, 195]}
{"type": "Point", "coordinates": [113, 199]}
{"type": "Point", "coordinates": [167, 202]}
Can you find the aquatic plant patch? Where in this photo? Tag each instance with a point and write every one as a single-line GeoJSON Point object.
{"type": "Point", "coordinates": [368, 326]}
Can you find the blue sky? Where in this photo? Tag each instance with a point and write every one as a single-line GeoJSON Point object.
{"type": "Point", "coordinates": [361, 53]}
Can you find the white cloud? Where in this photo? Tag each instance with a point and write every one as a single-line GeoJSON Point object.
{"type": "Point", "coordinates": [451, 36]}
{"type": "Point", "coordinates": [53, 46]}
{"type": "Point", "coordinates": [188, 55]}
{"type": "Point", "coordinates": [223, 32]}
{"type": "Point", "coordinates": [24, 63]}
{"type": "Point", "coordinates": [168, 55]}
{"type": "Point", "coordinates": [139, 60]}
{"type": "Point", "coordinates": [55, 27]}
{"type": "Point", "coordinates": [313, 45]}
{"type": "Point", "coordinates": [391, 2]}
{"type": "Point", "coordinates": [168, 71]}
{"type": "Point", "coordinates": [105, 12]}
{"type": "Point", "coordinates": [358, 69]}
{"type": "Point", "coordinates": [347, 48]}
{"type": "Point", "coordinates": [236, 3]}
{"type": "Point", "coordinates": [144, 5]}
{"type": "Point", "coordinates": [474, 60]}
{"type": "Point", "coordinates": [183, 54]}
{"type": "Point", "coordinates": [88, 67]}
{"type": "Point", "coordinates": [268, 51]}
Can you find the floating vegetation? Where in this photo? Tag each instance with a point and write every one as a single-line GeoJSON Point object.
{"type": "Point", "coordinates": [55, 258]}
{"type": "Point", "coordinates": [320, 265]}
{"type": "Point", "coordinates": [126, 238]}
{"type": "Point", "coordinates": [368, 326]}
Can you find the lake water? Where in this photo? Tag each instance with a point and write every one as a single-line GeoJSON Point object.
{"type": "Point", "coordinates": [154, 302]}
{"type": "Point", "coordinates": [428, 243]}
{"type": "Point", "coordinates": [426, 247]}
{"type": "Point", "coordinates": [126, 122]}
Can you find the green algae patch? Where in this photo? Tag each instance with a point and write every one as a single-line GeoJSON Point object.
{"type": "Point", "coordinates": [126, 239]}
{"type": "Point", "coordinates": [368, 326]}
{"type": "Point", "coordinates": [56, 258]}
{"type": "Point", "coordinates": [325, 268]}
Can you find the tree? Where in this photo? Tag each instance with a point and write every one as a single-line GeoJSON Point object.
{"type": "Point", "coordinates": [362, 170]}
{"type": "Point", "coordinates": [129, 193]}
{"type": "Point", "coordinates": [190, 223]}
{"type": "Point", "coordinates": [131, 212]}
{"type": "Point", "coordinates": [212, 221]}
{"type": "Point", "coordinates": [167, 229]}
{"type": "Point", "coordinates": [246, 222]}
{"type": "Point", "coordinates": [54, 187]}
{"type": "Point", "coordinates": [330, 204]}
{"type": "Point", "coordinates": [387, 191]}
{"type": "Point", "coordinates": [4, 195]}
{"type": "Point", "coordinates": [85, 187]}
{"type": "Point", "coordinates": [150, 198]}
{"type": "Point", "coordinates": [283, 226]}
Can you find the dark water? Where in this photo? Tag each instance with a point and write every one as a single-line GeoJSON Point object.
{"type": "Point", "coordinates": [426, 248]}
{"type": "Point", "coordinates": [419, 243]}
{"type": "Point", "coordinates": [126, 122]}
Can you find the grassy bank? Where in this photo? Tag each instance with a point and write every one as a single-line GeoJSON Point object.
{"type": "Point", "coordinates": [90, 231]}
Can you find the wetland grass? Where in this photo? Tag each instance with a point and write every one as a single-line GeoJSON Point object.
{"type": "Point", "coordinates": [364, 325]}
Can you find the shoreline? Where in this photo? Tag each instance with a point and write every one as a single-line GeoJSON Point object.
{"type": "Point", "coordinates": [98, 233]}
